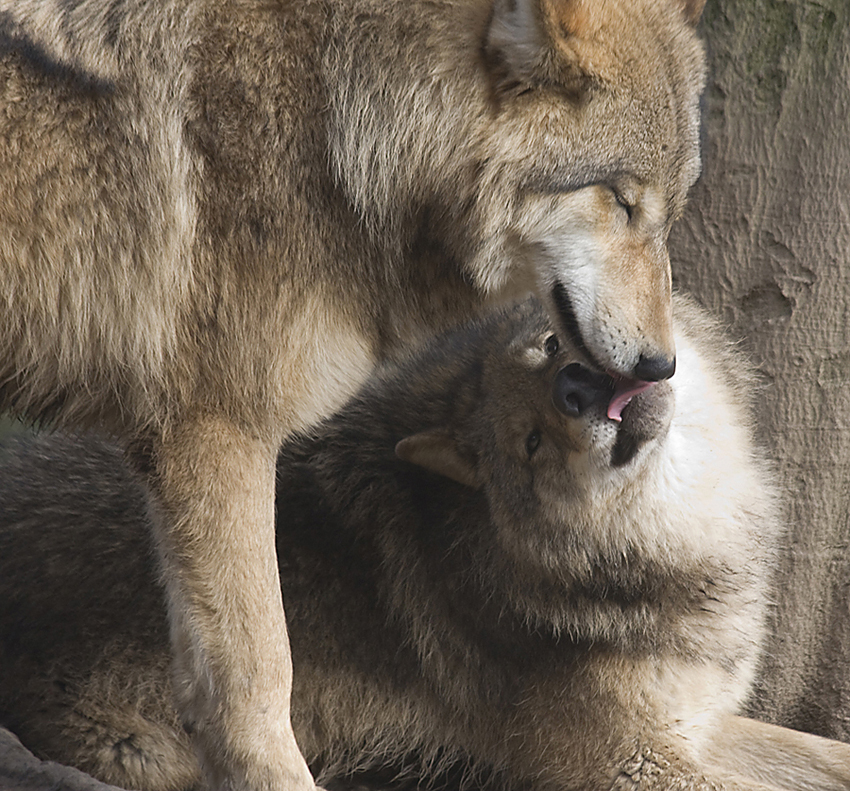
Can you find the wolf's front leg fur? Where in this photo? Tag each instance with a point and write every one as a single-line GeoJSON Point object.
{"type": "Point", "coordinates": [628, 739]}
{"type": "Point", "coordinates": [778, 757]}
{"type": "Point", "coordinates": [741, 755]}
{"type": "Point", "coordinates": [215, 487]}
{"type": "Point", "coordinates": [746, 755]}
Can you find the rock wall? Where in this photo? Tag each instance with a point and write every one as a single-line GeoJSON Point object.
{"type": "Point", "coordinates": [765, 243]}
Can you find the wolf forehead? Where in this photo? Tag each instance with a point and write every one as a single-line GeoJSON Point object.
{"type": "Point", "coordinates": [569, 92]}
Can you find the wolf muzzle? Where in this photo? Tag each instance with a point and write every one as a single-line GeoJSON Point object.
{"type": "Point", "coordinates": [649, 367]}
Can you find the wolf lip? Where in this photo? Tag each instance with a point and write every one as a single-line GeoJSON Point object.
{"type": "Point", "coordinates": [625, 390]}
{"type": "Point", "coordinates": [564, 306]}
{"type": "Point", "coordinates": [647, 415]}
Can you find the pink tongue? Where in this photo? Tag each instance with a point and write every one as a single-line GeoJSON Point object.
{"type": "Point", "coordinates": [625, 391]}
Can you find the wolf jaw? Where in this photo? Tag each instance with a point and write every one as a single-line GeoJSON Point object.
{"type": "Point", "coordinates": [639, 411]}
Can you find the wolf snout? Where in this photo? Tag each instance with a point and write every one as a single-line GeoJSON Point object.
{"type": "Point", "coordinates": [654, 363]}
{"type": "Point", "coordinates": [577, 389]}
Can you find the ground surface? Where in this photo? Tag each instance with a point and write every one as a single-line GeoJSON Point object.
{"type": "Point", "coordinates": [20, 770]}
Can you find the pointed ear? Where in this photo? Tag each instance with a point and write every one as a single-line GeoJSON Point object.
{"type": "Point", "coordinates": [549, 42]}
{"type": "Point", "coordinates": [692, 9]}
{"type": "Point", "coordinates": [516, 37]}
{"type": "Point", "coordinates": [437, 452]}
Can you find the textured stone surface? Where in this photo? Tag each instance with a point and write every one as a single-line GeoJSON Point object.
{"type": "Point", "coordinates": [765, 243]}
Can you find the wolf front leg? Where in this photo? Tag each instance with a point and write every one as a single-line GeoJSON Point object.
{"type": "Point", "coordinates": [780, 757]}
{"type": "Point", "coordinates": [213, 486]}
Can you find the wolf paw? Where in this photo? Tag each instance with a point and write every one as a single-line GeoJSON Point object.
{"type": "Point", "coordinates": [647, 769]}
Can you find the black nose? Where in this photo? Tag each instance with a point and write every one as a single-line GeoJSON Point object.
{"type": "Point", "coordinates": [576, 389]}
{"type": "Point", "coordinates": [654, 369]}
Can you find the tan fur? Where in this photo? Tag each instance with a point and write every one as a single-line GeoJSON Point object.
{"type": "Point", "coordinates": [217, 215]}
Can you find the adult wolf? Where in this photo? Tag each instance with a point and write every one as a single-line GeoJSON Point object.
{"type": "Point", "coordinates": [536, 595]}
{"type": "Point", "coordinates": [216, 216]}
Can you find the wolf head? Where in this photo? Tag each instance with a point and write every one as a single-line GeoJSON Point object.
{"type": "Point", "coordinates": [548, 145]}
{"type": "Point", "coordinates": [610, 146]}
{"type": "Point", "coordinates": [576, 497]}
{"type": "Point", "coordinates": [541, 421]}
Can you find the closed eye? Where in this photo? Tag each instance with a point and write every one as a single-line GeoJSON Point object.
{"type": "Point", "coordinates": [624, 203]}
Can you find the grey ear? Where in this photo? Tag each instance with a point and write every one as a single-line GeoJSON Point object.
{"type": "Point", "coordinates": [556, 42]}
{"type": "Point", "coordinates": [692, 9]}
{"type": "Point", "coordinates": [437, 452]}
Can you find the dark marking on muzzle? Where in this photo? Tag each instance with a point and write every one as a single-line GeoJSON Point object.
{"type": "Point", "coordinates": [625, 448]}
{"type": "Point", "coordinates": [646, 417]}
{"type": "Point", "coordinates": [567, 315]}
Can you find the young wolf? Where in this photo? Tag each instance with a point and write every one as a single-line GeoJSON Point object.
{"type": "Point", "coordinates": [534, 594]}
{"type": "Point", "coordinates": [217, 215]}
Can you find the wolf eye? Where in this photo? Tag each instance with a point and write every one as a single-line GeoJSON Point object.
{"type": "Point", "coordinates": [552, 345]}
{"type": "Point", "coordinates": [532, 442]}
{"type": "Point", "coordinates": [624, 203]}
